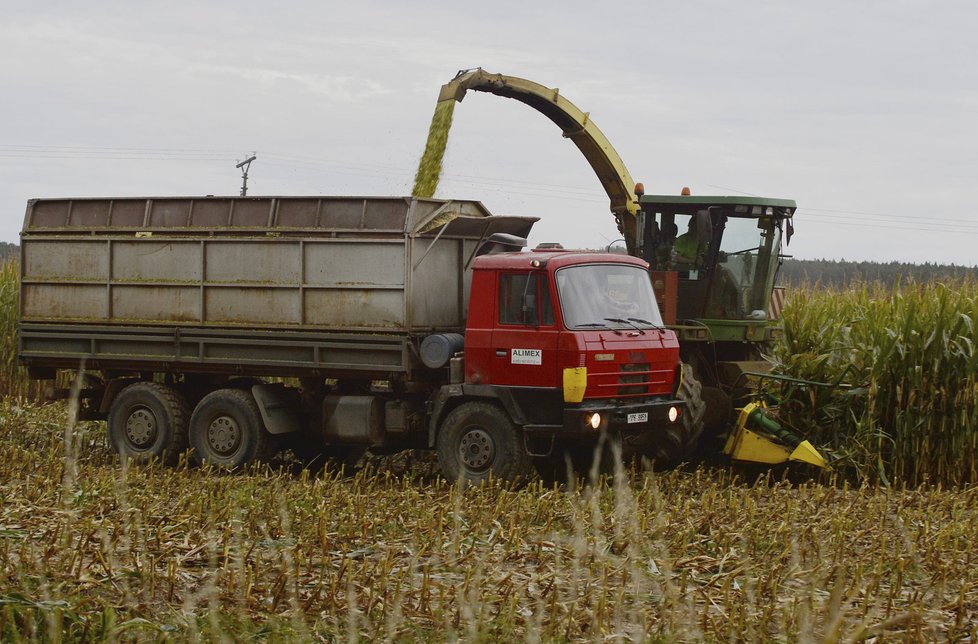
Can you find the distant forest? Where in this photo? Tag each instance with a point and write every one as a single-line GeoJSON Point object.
{"type": "Point", "coordinates": [842, 273]}
{"type": "Point", "coordinates": [8, 251]}
{"type": "Point", "coordinates": [812, 271]}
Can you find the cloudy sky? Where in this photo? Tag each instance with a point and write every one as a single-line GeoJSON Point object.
{"type": "Point", "coordinates": [865, 113]}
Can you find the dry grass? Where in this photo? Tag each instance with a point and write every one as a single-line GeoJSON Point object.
{"type": "Point", "coordinates": [90, 549]}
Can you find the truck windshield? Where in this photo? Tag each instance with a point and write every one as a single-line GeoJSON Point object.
{"type": "Point", "coordinates": [607, 295]}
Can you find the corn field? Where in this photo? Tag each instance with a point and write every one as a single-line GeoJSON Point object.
{"type": "Point", "coordinates": [902, 370]}
{"type": "Point", "coordinates": [13, 381]}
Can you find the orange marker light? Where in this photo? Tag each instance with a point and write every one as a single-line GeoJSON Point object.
{"type": "Point", "coordinates": [639, 189]}
{"type": "Point", "coordinates": [685, 192]}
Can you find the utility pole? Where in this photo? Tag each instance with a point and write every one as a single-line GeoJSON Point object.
{"type": "Point", "coordinates": [244, 165]}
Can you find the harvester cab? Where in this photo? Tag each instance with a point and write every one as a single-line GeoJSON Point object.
{"type": "Point", "coordinates": [725, 250]}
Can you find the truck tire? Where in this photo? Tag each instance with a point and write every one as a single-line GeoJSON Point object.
{"type": "Point", "coordinates": [226, 430]}
{"type": "Point", "coordinates": [478, 441]}
{"type": "Point", "coordinates": [678, 442]}
{"type": "Point", "coordinates": [148, 420]}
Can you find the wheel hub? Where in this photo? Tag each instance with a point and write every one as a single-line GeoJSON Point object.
{"type": "Point", "coordinates": [477, 449]}
{"type": "Point", "coordinates": [141, 428]}
{"type": "Point", "coordinates": [223, 434]}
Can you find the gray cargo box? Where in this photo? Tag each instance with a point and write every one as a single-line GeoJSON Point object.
{"type": "Point", "coordinates": [261, 281]}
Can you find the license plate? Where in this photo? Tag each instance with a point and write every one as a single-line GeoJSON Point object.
{"type": "Point", "coordinates": [639, 418]}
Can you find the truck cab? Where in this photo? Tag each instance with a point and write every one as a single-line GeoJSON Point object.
{"type": "Point", "coordinates": [572, 347]}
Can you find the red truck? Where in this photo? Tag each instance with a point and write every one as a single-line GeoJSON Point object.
{"type": "Point", "coordinates": [234, 326]}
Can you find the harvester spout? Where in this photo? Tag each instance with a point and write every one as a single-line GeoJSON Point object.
{"type": "Point", "coordinates": [576, 126]}
{"type": "Point", "coordinates": [768, 442]}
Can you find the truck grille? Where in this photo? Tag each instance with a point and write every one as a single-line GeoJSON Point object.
{"type": "Point", "coordinates": [634, 379]}
{"type": "Point", "coordinates": [629, 379]}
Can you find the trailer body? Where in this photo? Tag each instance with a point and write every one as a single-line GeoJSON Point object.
{"type": "Point", "coordinates": [251, 286]}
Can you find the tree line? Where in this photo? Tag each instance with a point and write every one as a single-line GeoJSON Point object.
{"type": "Point", "coordinates": [8, 251]}
{"type": "Point", "coordinates": [835, 273]}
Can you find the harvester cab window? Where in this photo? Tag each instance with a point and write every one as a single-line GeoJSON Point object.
{"type": "Point", "coordinates": [690, 248]}
{"type": "Point", "coordinates": [744, 267]}
{"type": "Point", "coordinates": [524, 299]}
{"type": "Point", "coordinates": [678, 241]}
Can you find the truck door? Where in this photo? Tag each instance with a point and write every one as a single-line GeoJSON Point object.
{"type": "Point", "coordinates": [524, 339]}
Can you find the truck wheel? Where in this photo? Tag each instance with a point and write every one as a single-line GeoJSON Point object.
{"type": "Point", "coordinates": [478, 440]}
{"type": "Point", "coordinates": [148, 420]}
{"type": "Point", "coordinates": [226, 429]}
{"type": "Point", "coordinates": [679, 440]}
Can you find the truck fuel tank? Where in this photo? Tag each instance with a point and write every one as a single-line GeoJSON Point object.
{"type": "Point", "coordinates": [353, 420]}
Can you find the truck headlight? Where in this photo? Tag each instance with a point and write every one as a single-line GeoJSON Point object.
{"type": "Point", "coordinates": [673, 414]}
{"type": "Point", "coordinates": [593, 420]}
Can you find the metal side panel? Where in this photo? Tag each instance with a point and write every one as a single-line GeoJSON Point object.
{"type": "Point", "coordinates": [64, 301]}
{"type": "Point", "coordinates": [436, 284]}
{"type": "Point", "coordinates": [69, 262]}
{"type": "Point", "coordinates": [208, 350]}
{"type": "Point", "coordinates": [148, 260]}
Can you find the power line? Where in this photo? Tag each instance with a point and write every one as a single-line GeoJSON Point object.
{"type": "Point", "coordinates": [491, 184]}
{"type": "Point", "coordinates": [922, 229]}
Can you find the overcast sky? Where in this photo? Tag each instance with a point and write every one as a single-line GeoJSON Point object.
{"type": "Point", "coordinates": [865, 113]}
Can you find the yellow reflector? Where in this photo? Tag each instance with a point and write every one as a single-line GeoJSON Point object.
{"type": "Point", "coordinates": [575, 382]}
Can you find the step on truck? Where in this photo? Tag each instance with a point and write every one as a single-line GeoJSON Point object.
{"type": "Point", "coordinates": [236, 327]}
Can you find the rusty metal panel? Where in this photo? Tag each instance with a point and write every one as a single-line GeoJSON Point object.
{"type": "Point", "coordinates": [384, 215]}
{"type": "Point", "coordinates": [342, 213]}
{"type": "Point", "coordinates": [70, 261]}
{"type": "Point", "coordinates": [47, 214]}
{"type": "Point", "coordinates": [170, 213]}
{"type": "Point", "coordinates": [64, 301]}
{"type": "Point", "coordinates": [152, 303]}
{"type": "Point", "coordinates": [435, 285]}
{"type": "Point", "coordinates": [265, 352]}
{"type": "Point", "coordinates": [128, 213]}
{"type": "Point", "coordinates": [211, 213]}
{"type": "Point", "coordinates": [151, 260]}
{"type": "Point", "coordinates": [251, 213]}
{"type": "Point", "coordinates": [298, 213]}
{"type": "Point", "coordinates": [89, 213]}
{"type": "Point", "coordinates": [270, 306]}
{"type": "Point", "coordinates": [353, 263]}
{"type": "Point", "coordinates": [265, 262]}
{"type": "Point", "coordinates": [355, 308]}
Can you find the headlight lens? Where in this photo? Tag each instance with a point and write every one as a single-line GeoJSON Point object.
{"type": "Point", "coordinates": [673, 414]}
{"type": "Point", "coordinates": [594, 420]}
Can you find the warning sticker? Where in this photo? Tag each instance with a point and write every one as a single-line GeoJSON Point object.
{"type": "Point", "coordinates": [526, 356]}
